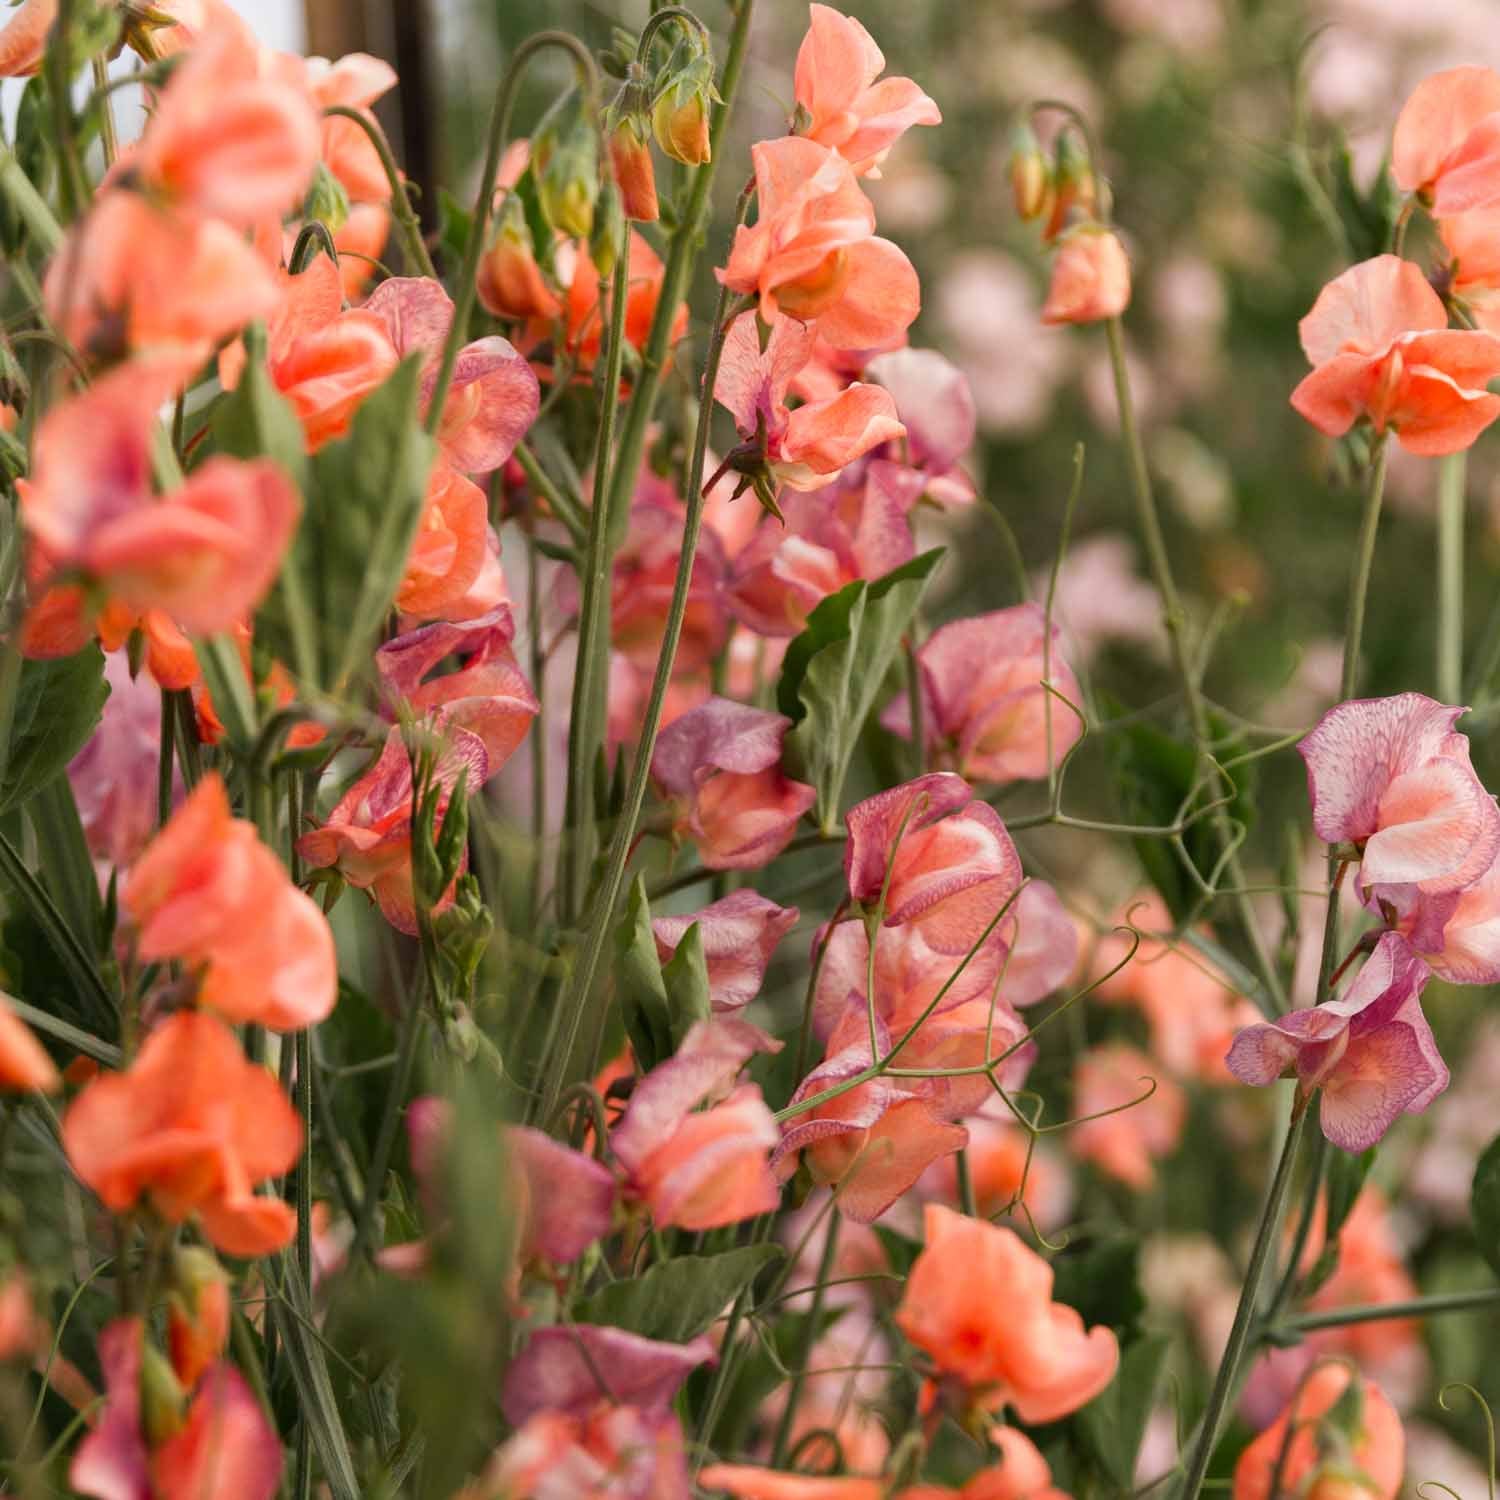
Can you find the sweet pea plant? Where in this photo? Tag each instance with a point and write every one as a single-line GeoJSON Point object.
{"type": "Point", "coordinates": [427, 687]}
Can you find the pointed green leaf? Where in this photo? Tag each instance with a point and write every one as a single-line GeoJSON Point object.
{"type": "Point", "coordinates": [1114, 1422]}
{"type": "Point", "coordinates": [680, 1299]}
{"type": "Point", "coordinates": [57, 705]}
{"type": "Point", "coordinates": [639, 983]}
{"type": "Point", "coordinates": [685, 975]}
{"type": "Point", "coordinates": [1485, 1204]}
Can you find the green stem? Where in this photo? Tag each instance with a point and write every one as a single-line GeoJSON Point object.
{"type": "Point", "coordinates": [1379, 1312]}
{"type": "Point", "coordinates": [1364, 557]}
{"type": "Point", "coordinates": [1452, 472]}
{"type": "Point", "coordinates": [108, 136]}
{"type": "Point", "coordinates": [72, 186]}
{"type": "Point", "coordinates": [574, 1000]}
{"type": "Point", "coordinates": [966, 1199]}
{"type": "Point", "coordinates": [1239, 1333]}
{"type": "Point", "coordinates": [385, 1141]}
{"type": "Point", "coordinates": [29, 203]}
{"type": "Point", "coordinates": [1312, 1188]}
{"type": "Point", "coordinates": [814, 1317]}
{"type": "Point", "coordinates": [407, 223]}
{"type": "Point", "coordinates": [1161, 569]}
{"type": "Point", "coordinates": [499, 128]}
{"type": "Point", "coordinates": [591, 676]}
{"type": "Point", "coordinates": [564, 507]}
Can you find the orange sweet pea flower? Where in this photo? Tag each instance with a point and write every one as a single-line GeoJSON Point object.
{"type": "Point", "coordinates": [23, 38]}
{"type": "Point", "coordinates": [1376, 1445]}
{"type": "Point", "coordinates": [1446, 144]}
{"type": "Point", "coordinates": [24, 1064]}
{"type": "Point", "coordinates": [191, 1127]}
{"type": "Point", "coordinates": [449, 549]}
{"type": "Point", "coordinates": [208, 892]}
{"type": "Point", "coordinates": [587, 317]}
{"type": "Point", "coordinates": [133, 276]}
{"type": "Point", "coordinates": [980, 1304]}
{"type": "Point", "coordinates": [849, 106]}
{"type": "Point", "coordinates": [1379, 342]}
{"type": "Point", "coordinates": [1090, 278]}
{"type": "Point", "coordinates": [813, 254]}
{"type": "Point", "coordinates": [228, 140]}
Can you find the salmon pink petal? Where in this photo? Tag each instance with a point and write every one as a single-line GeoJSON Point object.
{"type": "Point", "coordinates": [907, 1140]}
{"type": "Point", "coordinates": [1470, 179]}
{"type": "Point", "coordinates": [1043, 946]}
{"type": "Point", "coordinates": [837, 61]}
{"type": "Point", "coordinates": [880, 303]}
{"type": "Point", "coordinates": [326, 373]}
{"type": "Point", "coordinates": [23, 38]}
{"type": "Point", "coordinates": [739, 935]}
{"type": "Point", "coordinates": [823, 437]}
{"type": "Point", "coordinates": [1379, 1076]}
{"type": "Point", "coordinates": [1335, 395]}
{"type": "Point", "coordinates": [450, 547]}
{"type": "Point", "coordinates": [718, 735]}
{"type": "Point", "coordinates": [1436, 120]}
{"type": "Point", "coordinates": [112, 1461]}
{"type": "Point", "coordinates": [226, 1451]}
{"type": "Point", "coordinates": [570, 1197]}
{"type": "Point", "coordinates": [1464, 948]}
{"type": "Point", "coordinates": [24, 1064]}
{"type": "Point", "coordinates": [1090, 278]}
{"type": "Point", "coordinates": [873, 826]}
{"type": "Point", "coordinates": [886, 112]}
{"type": "Point", "coordinates": [1368, 308]}
{"type": "Point", "coordinates": [558, 1371]}
{"type": "Point", "coordinates": [1437, 827]}
{"type": "Point", "coordinates": [704, 1067]}
{"type": "Point", "coordinates": [749, 1482]}
{"type": "Point", "coordinates": [493, 401]}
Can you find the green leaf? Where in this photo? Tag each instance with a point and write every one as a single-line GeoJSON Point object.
{"type": "Point", "coordinates": [686, 977]}
{"type": "Point", "coordinates": [1369, 218]}
{"type": "Point", "coordinates": [1485, 1204]}
{"type": "Point", "coordinates": [57, 705]}
{"type": "Point", "coordinates": [680, 1299]}
{"type": "Point", "coordinates": [1102, 1281]}
{"type": "Point", "coordinates": [639, 982]}
{"type": "Point", "coordinates": [834, 671]}
{"type": "Point", "coordinates": [1114, 1422]}
{"type": "Point", "coordinates": [363, 501]}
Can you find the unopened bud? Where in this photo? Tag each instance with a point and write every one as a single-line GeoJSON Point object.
{"type": "Point", "coordinates": [1077, 193]}
{"type": "Point", "coordinates": [565, 159]}
{"type": "Point", "coordinates": [198, 1314]}
{"type": "Point", "coordinates": [327, 200]}
{"type": "Point", "coordinates": [509, 280]}
{"type": "Point", "coordinates": [632, 168]}
{"type": "Point", "coordinates": [1030, 174]}
{"type": "Point", "coordinates": [679, 116]}
{"type": "Point", "coordinates": [162, 1397]}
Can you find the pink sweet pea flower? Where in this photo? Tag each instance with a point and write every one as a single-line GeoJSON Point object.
{"type": "Point", "coordinates": [1473, 240]}
{"type": "Point", "coordinates": [1090, 277]}
{"type": "Point", "coordinates": [812, 255]}
{"type": "Point", "coordinates": [227, 140]}
{"type": "Point", "coordinates": [739, 934]}
{"type": "Point", "coordinates": [979, 1303]}
{"type": "Point", "coordinates": [494, 395]}
{"type": "Point", "coordinates": [700, 1169]}
{"type": "Point", "coordinates": [808, 447]}
{"type": "Point", "coordinates": [450, 549]}
{"type": "Point", "coordinates": [23, 38]}
{"type": "Point", "coordinates": [1126, 1143]}
{"type": "Point", "coordinates": [1446, 144]}
{"type": "Point", "coordinates": [355, 81]}
{"type": "Point", "coordinates": [720, 763]}
{"type": "Point", "coordinates": [1389, 776]}
{"type": "Point", "coordinates": [560, 1367]}
{"type": "Point", "coordinates": [936, 406]}
{"type": "Point", "coordinates": [828, 538]}
{"type": "Point", "coordinates": [838, 65]}
{"type": "Point", "coordinates": [1380, 346]}
{"type": "Point", "coordinates": [1456, 935]}
{"type": "Point", "coordinates": [488, 694]}
{"type": "Point", "coordinates": [953, 869]}
{"type": "Point", "coordinates": [1371, 1053]}
{"type": "Point", "coordinates": [368, 833]}
{"type": "Point", "coordinates": [986, 709]}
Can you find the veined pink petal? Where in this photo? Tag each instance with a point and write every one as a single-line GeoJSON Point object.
{"type": "Point", "coordinates": [739, 935]}
{"type": "Point", "coordinates": [570, 1197]}
{"type": "Point", "coordinates": [719, 735]}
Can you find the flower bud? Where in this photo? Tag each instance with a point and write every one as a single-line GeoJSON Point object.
{"type": "Point", "coordinates": [679, 117]}
{"type": "Point", "coordinates": [1090, 277]}
{"type": "Point", "coordinates": [1030, 174]}
{"type": "Point", "coordinates": [197, 1314]}
{"type": "Point", "coordinates": [565, 161]}
{"type": "Point", "coordinates": [327, 200]}
{"type": "Point", "coordinates": [163, 1401]}
{"type": "Point", "coordinates": [1076, 192]}
{"type": "Point", "coordinates": [634, 174]}
{"type": "Point", "coordinates": [509, 281]}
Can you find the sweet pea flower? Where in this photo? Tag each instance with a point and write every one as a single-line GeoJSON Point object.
{"type": "Point", "coordinates": [208, 892]}
{"type": "Point", "coordinates": [24, 1064]}
{"type": "Point", "coordinates": [936, 406]}
{"type": "Point", "coordinates": [1131, 1132]}
{"type": "Point", "coordinates": [701, 1169]}
{"type": "Point", "coordinates": [1380, 347]}
{"type": "Point", "coordinates": [509, 282]}
{"type": "Point", "coordinates": [825, 539]}
{"type": "Point", "coordinates": [720, 763]}
{"type": "Point", "coordinates": [986, 709]}
{"type": "Point", "coordinates": [1330, 1441]}
{"type": "Point", "coordinates": [943, 861]}
{"type": "Point", "coordinates": [1446, 144]}
{"type": "Point", "coordinates": [979, 1304]}
{"type": "Point", "coordinates": [739, 935]}
{"type": "Point", "coordinates": [586, 311]}
{"type": "Point", "coordinates": [355, 81]}
{"type": "Point", "coordinates": [227, 140]}
{"type": "Point", "coordinates": [1007, 1169]}
{"type": "Point", "coordinates": [1371, 1053]}
{"type": "Point", "coordinates": [1473, 240]}
{"type": "Point", "coordinates": [559, 1371]}
{"type": "Point", "coordinates": [1456, 935]}
{"type": "Point", "coordinates": [1390, 777]}
{"type": "Point", "coordinates": [133, 276]}
{"type": "Point", "coordinates": [806, 448]}
{"type": "Point", "coordinates": [23, 38]}
{"type": "Point", "coordinates": [488, 694]}
{"type": "Point", "coordinates": [494, 395]}
{"type": "Point", "coordinates": [190, 1127]}
{"type": "Point", "coordinates": [1090, 277]}
{"type": "Point", "coordinates": [368, 833]}
{"type": "Point", "coordinates": [813, 255]}
{"type": "Point", "coordinates": [850, 107]}
{"type": "Point", "coordinates": [612, 1450]}
{"type": "Point", "coordinates": [450, 548]}
{"type": "Point", "coordinates": [323, 359]}
{"type": "Point", "coordinates": [221, 1448]}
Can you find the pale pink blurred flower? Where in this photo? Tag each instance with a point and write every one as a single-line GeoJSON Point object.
{"type": "Point", "coordinates": [1100, 597]}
